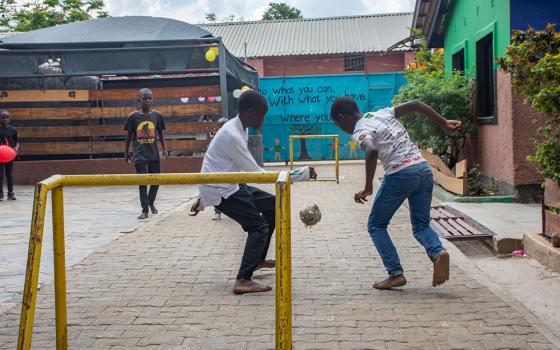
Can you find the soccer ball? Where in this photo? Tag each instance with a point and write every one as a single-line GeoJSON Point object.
{"type": "Point", "coordinates": [310, 214]}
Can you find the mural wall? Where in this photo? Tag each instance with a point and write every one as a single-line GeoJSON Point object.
{"type": "Point", "coordinates": [300, 105]}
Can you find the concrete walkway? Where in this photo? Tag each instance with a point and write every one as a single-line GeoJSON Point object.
{"type": "Point", "coordinates": [168, 286]}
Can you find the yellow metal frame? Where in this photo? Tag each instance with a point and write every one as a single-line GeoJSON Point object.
{"type": "Point", "coordinates": [56, 184]}
{"type": "Point", "coordinates": [335, 137]}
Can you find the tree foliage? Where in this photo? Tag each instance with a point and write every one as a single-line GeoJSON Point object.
{"type": "Point", "coordinates": [449, 94]}
{"type": "Point", "coordinates": [280, 10]}
{"type": "Point", "coordinates": [37, 14]}
{"type": "Point", "coordinates": [533, 59]}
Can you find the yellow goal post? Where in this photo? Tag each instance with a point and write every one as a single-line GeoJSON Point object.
{"type": "Point", "coordinates": [335, 148]}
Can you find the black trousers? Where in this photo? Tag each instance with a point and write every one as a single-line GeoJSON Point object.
{"type": "Point", "coordinates": [8, 169]}
{"type": "Point", "coordinates": [147, 198]}
{"type": "Point", "coordinates": [254, 210]}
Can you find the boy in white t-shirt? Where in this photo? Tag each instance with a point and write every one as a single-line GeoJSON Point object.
{"type": "Point", "coordinates": [407, 176]}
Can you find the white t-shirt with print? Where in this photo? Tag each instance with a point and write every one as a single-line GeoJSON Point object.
{"type": "Point", "coordinates": [394, 147]}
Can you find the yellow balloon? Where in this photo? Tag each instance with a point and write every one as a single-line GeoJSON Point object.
{"type": "Point", "coordinates": [215, 49]}
{"type": "Point", "coordinates": [245, 88]}
{"type": "Point", "coordinates": [210, 56]}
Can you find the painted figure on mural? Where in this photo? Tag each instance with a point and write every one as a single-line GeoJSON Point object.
{"type": "Point", "coordinates": [352, 154]}
{"type": "Point", "coordinates": [277, 149]}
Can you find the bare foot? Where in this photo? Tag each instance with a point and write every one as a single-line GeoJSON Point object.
{"type": "Point", "coordinates": [441, 268]}
{"type": "Point", "coordinates": [391, 282]}
{"type": "Point", "coordinates": [266, 264]}
{"type": "Point", "coordinates": [248, 286]}
{"type": "Point", "coordinates": [153, 209]}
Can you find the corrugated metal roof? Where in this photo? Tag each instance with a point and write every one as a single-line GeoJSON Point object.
{"type": "Point", "coordinates": [313, 36]}
{"type": "Point", "coordinates": [110, 30]}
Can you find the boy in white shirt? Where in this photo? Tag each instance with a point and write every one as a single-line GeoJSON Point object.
{"type": "Point", "coordinates": [249, 206]}
{"type": "Point", "coordinates": [407, 176]}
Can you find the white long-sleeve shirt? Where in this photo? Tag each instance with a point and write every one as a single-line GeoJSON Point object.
{"type": "Point", "coordinates": [229, 152]}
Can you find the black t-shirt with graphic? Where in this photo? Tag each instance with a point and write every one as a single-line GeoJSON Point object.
{"type": "Point", "coordinates": [144, 129]}
{"type": "Point", "coordinates": [8, 136]}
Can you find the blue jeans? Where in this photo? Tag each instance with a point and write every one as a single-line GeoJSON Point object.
{"type": "Point", "coordinates": [415, 183]}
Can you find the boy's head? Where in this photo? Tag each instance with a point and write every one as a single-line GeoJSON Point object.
{"type": "Point", "coordinates": [4, 117]}
{"type": "Point", "coordinates": [145, 97]}
{"type": "Point", "coordinates": [252, 108]}
{"type": "Point", "coordinates": [345, 113]}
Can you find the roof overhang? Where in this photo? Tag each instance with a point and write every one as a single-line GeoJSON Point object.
{"type": "Point", "coordinates": [429, 17]}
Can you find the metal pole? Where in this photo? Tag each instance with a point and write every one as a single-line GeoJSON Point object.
{"type": "Point", "coordinates": [336, 155]}
{"type": "Point", "coordinates": [223, 78]}
{"type": "Point", "coordinates": [283, 264]}
{"type": "Point", "coordinates": [59, 269]}
{"type": "Point", "coordinates": [33, 264]}
{"type": "Point", "coordinates": [291, 152]}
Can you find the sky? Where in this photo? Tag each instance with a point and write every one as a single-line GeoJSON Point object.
{"type": "Point", "coordinates": [193, 11]}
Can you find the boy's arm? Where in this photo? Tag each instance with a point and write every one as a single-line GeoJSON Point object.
{"type": "Point", "coordinates": [371, 164]}
{"type": "Point", "coordinates": [422, 108]}
{"type": "Point", "coordinates": [161, 136]}
{"type": "Point", "coordinates": [127, 146]}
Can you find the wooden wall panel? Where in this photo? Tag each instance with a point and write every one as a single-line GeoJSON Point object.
{"type": "Point", "coordinates": [110, 130]}
{"type": "Point", "coordinates": [98, 147]}
{"type": "Point", "coordinates": [44, 95]}
{"type": "Point", "coordinates": [159, 93]}
{"type": "Point", "coordinates": [79, 113]}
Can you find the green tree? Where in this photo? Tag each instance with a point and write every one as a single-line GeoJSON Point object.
{"type": "Point", "coordinates": [280, 10]}
{"type": "Point", "coordinates": [36, 14]}
{"type": "Point", "coordinates": [211, 17]}
{"type": "Point", "coordinates": [533, 59]}
{"type": "Point", "coordinates": [449, 94]}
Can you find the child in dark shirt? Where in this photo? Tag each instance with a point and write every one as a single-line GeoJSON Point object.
{"type": "Point", "coordinates": [9, 137]}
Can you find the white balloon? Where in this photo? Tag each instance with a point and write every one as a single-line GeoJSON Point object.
{"type": "Point", "coordinates": [237, 93]}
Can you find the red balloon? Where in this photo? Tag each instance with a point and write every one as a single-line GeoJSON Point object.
{"type": "Point", "coordinates": [7, 154]}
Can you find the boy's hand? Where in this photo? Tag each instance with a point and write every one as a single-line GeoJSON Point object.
{"type": "Point", "coordinates": [164, 154]}
{"type": "Point", "coordinates": [361, 196]}
{"type": "Point", "coordinates": [195, 208]}
{"type": "Point", "coordinates": [312, 173]}
{"type": "Point", "coordinates": [128, 157]}
{"type": "Point", "coordinates": [454, 125]}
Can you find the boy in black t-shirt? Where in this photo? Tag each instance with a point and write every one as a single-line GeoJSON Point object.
{"type": "Point", "coordinates": [8, 136]}
{"type": "Point", "coordinates": [144, 127]}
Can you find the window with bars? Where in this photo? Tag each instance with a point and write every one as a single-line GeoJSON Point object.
{"type": "Point", "coordinates": [354, 63]}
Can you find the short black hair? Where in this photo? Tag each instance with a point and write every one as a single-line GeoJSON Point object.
{"type": "Point", "coordinates": [250, 99]}
{"type": "Point", "coordinates": [145, 91]}
{"type": "Point", "coordinates": [344, 105]}
{"type": "Point", "coordinates": [4, 111]}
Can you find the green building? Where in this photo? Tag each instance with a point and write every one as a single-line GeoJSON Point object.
{"type": "Point", "coordinates": [473, 34]}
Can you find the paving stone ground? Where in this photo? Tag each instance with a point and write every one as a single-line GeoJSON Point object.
{"type": "Point", "coordinates": [168, 286]}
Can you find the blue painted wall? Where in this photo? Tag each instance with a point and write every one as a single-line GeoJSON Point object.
{"type": "Point", "coordinates": [302, 104]}
{"type": "Point", "coordinates": [537, 13]}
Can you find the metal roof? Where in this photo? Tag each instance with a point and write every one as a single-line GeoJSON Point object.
{"type": "Point", "coordinates": [111, 31]}
{"type": "Point", "coordinates": [313, 36]}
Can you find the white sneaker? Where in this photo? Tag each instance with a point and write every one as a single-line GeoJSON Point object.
{"type": "Point", "coordinates": [217, 216]}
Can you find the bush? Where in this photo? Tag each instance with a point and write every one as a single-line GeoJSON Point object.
{"type": "Point", "coordinates": [533, 59]}
{"type": "Point", "coordinates": [449, 94]}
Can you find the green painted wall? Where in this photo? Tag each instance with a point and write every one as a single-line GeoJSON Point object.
{"type": "Point", "coordinates": [471, 20]}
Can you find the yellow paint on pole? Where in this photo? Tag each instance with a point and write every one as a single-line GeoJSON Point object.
{"type": "Point", "coordinates": [56, 184]}
{"type": "Point", "coordinates": [59, 268]}
{"type": "Point", "coordinates": [283, 264]}
{"type": "Point", "coordinates": [33, 264]}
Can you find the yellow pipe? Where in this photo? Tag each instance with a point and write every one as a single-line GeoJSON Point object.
{"type": "Point", "coordinates": [337, 160]}
{"type": "Point", "coordinates": [312, 136]}
{"type": "Point", "coordinates": [283, 264]}
{"type": "Point", "coordinates": [168, 179]}
{"type": "Point", "coordinates": [291, 152]}
{"type": "Point", "coordinates": [59, 268]}
{"type": "Point", "coordinates": [33, 264]}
